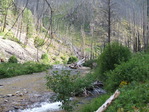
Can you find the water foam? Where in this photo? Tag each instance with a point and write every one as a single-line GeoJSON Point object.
{"type": "Point", "coordinates": [45, 107]}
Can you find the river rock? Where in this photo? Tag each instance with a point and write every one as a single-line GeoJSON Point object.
{"type": "Point", "coordinates": [17, 107]}
{"type": "Point", "coordinates": [25, 91]}
{"type": "Point", "coordinates": [5, 101]}
{"type": "Point", "coordinates": [10, 48]}
{"type": "Point", "coordinates": [18, 93]}
{"type": "Point", "coordinates": [9, 95]}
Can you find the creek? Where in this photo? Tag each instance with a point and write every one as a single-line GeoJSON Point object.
{"type": "Point", "coordinates": [38, 98]}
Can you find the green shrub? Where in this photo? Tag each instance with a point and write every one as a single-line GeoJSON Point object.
{"type": "Point", "coordinates": [136, 69]}
{"type": "Point", "coordinates": [13, 59]}
{"type": "Point", "coordinates": [64, 59]}
{"type": "Point", "coordinates": [45, 58]}
{"type": "Point", "coordinates": [134, 97]}
{"type": "Point", "coordinates": [90, 63]}
{"type": "Point", "coordinates": [56, 62]}
{"type": "Point", "coordinates": [15, 69]}
{"type": "Point", "coordinates": [67, 85]}
{"type": "Point", "coordinates": [38, 42]}
{"type": "Point", "coordinates": [10, 36]}
{"type": "Point", "coordinates": [94, 104]}
{"type": "Point", "coordinates": [62, 84]}
{"type": "Point", "coordinates": [72, 59]}
{"type": "Point", "coordinates": [113, 54]}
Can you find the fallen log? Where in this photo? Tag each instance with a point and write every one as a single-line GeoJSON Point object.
{"type": "Point", "coordinates": [109, 101]}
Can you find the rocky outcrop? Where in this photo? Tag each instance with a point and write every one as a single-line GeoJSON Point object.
{"type": "Point", "coordinates": [9, 48]}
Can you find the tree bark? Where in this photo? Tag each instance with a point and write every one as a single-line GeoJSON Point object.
{"type": "Point", "coordinates": [5, 20]}
{"type": "Point", "coordinates": [109, 21]}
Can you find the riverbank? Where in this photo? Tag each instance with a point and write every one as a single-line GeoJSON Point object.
{"type": "Point", "coordinates": [22, 92]}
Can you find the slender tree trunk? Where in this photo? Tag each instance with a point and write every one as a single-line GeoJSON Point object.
{"type": "Point", "coordinates": [109, 21]}
{"type": "Point", "coordinates": [37, 55]}
{"type": "Point", "coordinates": [27, 34]}
{"type": "Point", "coordinates": [139, 43]}
{"type": "Point", "coordinates": [5, 20]}
{"type": "Point", "coordinates": [83, 41]}
{"type": "Point", "coordinates": [148, 23]}
{"type": "Point", "coordinates": [21, 28]}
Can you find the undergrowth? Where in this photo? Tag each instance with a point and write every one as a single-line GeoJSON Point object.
{"type": "Point", "coordinates": [133, 98]}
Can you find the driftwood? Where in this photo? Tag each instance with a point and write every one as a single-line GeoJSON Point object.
{"type": "Point", "coordinates": [109, 101]}
{"type": "Point", "coordinates": [94, 89]}
{"type": "Point", "coordinates": [78, 64]}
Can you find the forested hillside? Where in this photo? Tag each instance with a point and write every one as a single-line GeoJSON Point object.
{"type": "Point", "coordinates": [88, 48]}
{"type": "Point", "coordinates": [72, 21]}
{"type": "Point", "coordinates": [87, 20]}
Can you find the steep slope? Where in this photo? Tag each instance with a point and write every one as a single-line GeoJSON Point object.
{"type": "Point", "coordinates": [8, 48]}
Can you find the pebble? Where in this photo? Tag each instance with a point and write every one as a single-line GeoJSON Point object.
{"type": "Point", "coordinates": [2, 96]}
{"type": "Point", "coordinates": [21, 94]}
{"type": "Point", "coordinates": [17, 92]}
{"type": "Point", "coordinates": [25, 91]}
{"type": "Point", "coordinates": [9, 95]}
{"type": "Point", "coordinates": [5, 101]}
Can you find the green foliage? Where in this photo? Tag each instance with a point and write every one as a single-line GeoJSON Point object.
{"type": "Point", "coordinates": [28, 20]}
{"type": "Point", "coordinates": [56, 62]}
{"type": "Point", "coordinates": [10, 36]}
{"type": "Point", "coordinates": [2, 33]}
{"type": "Point", "coordinates": [38, 42]}
{"type": "Point", "coordinates": [137, 102]}
{"type": "Point", "coordinates": [4, 5]}
{"type": "Point", "coordinates": [113, 54]}
{"type": "Point", "coordinates": [66, 85]}
{"type": "Point", "coordinates": [45, 58]}
{"type": "Point", "coordinates": [13, 59]}
{"type": "Point", "coordinates": [94, 104]}
{"type": "Point", "coordinates": [131, 78]}
{"type": "Point", "coordinates": [136, 69]}
{"type": "Point", "coordinates": [72, 59]}
{"type": "Point", "coordinates": [63, 86]}
{"type": "Point", "coordinates": [64, 59]}
{"type": "Point", "coordinates": [90, 63]}
{"type": "Point", "coordinates": [15, 69]}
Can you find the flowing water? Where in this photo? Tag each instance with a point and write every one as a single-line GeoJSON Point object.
{"type": "Point", "coordinates": [42, 107]}
{"type": "Point", "coordinates": [36, 97]}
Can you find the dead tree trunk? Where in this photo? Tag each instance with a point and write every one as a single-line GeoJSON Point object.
{"type": "Point", "coordinates": [109, 101]}
{"type": "Point", "coordinates": [109, 21]}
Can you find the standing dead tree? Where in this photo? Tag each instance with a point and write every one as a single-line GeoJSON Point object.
{"type": "Point", "coordinates": [108, 9]}
{"type": "Point", "coordinates": [51, 23]}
